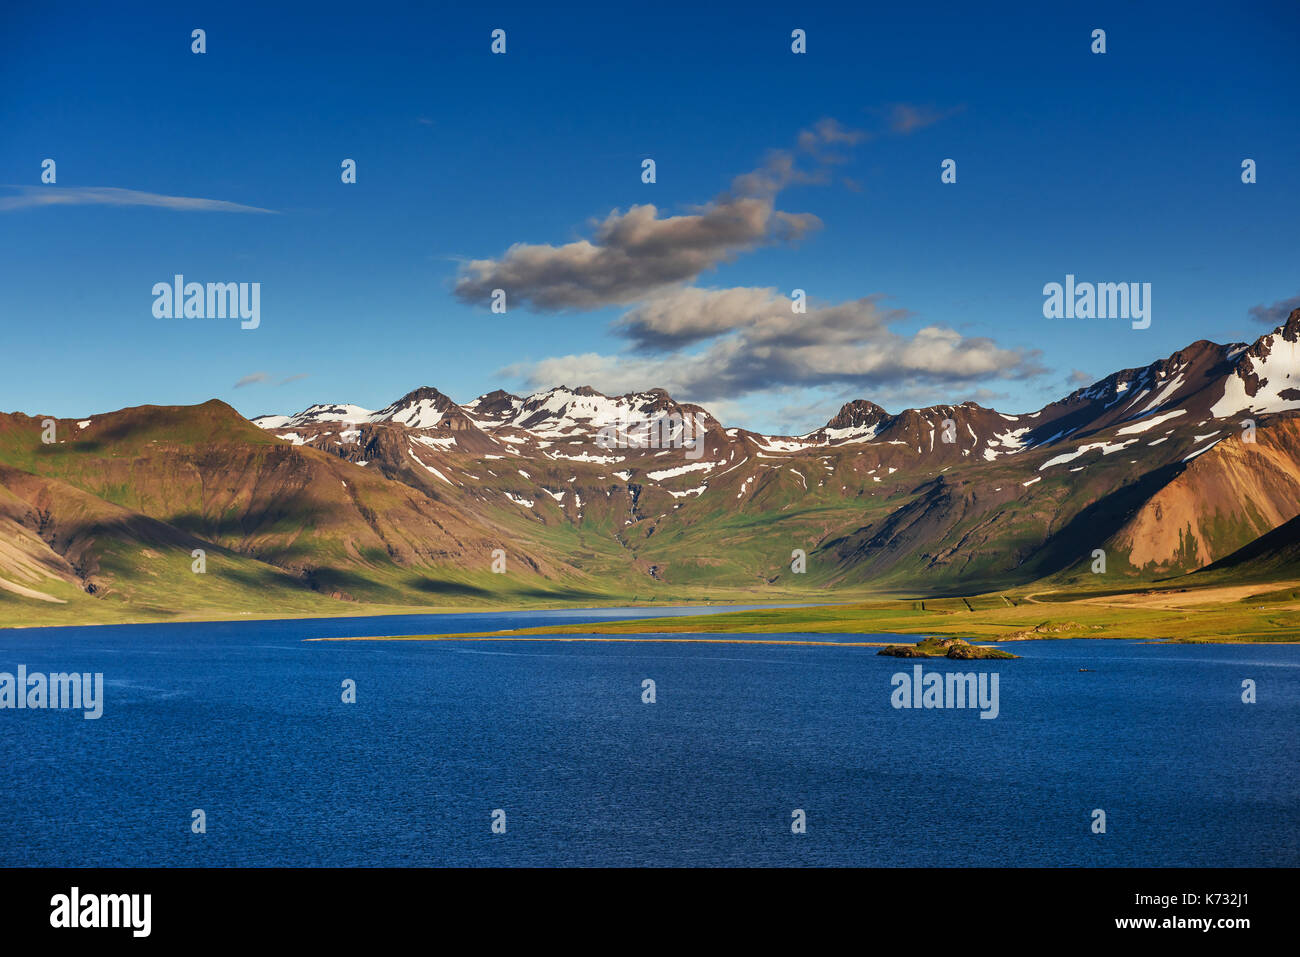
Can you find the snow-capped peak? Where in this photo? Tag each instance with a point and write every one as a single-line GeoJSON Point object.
{"type": "Point", "coordinates": [1266, 377]}
{"type": "Point", "coordinates": [316, 414]}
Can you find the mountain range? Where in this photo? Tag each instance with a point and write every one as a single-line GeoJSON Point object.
{"type": "Point", "coordinates": [1164, 470]}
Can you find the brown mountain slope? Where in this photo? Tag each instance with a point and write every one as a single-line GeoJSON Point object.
{"type": "Point", "coordinates": [167, 478]}
{"type": "Point", "coordinates": [1224, 499]}
{"type": "Point", "coordinates": [28, 565]}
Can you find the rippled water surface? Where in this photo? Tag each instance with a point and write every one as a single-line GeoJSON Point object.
{"type": "Point", "coordinates": [244, 720]}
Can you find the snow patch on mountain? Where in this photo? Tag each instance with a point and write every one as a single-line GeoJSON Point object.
{"type": "Point", "coordinates": [1150, 423]}
{"type": "Point", "coordinates": [1278, 377]}
{"type": "Point", "coordinates": [430, 468]}
{"type": "Point", "coordinates": [1107, 448]}
{"type": "Point", "coordinates": [681, 470]}
{"type": "Point", "coordinates": [689, 491]}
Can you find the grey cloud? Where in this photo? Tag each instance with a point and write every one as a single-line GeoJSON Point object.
{"type": "Point", "coordinates": [1276, 314]}
{"type": "Point", "coordinates": [638, 252]}
{"type": "Point", "coordinates": [689, 315]}
{"type": "Point", "coordinates": [755, 344]}
{"type": "Point", "coordinates": [633, 254]}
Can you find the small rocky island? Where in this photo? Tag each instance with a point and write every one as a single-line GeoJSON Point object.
{"type": "Point", "coordinates": [944, 648]}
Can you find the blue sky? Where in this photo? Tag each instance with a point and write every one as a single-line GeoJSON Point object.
{"type": "Point", "coordinates": [1116, 167]}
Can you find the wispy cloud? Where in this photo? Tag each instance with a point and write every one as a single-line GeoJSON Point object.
{"type": "Point", "coordinates": [1276, 314]}
{"type": "Point", "coordinates": [32, 196]}
{"type": "Point", "coordinates": [258, 378]}
{"type": "Point", "coordinates": [904, 118]}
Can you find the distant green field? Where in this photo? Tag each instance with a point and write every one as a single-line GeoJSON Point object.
{"type": "Point", "coordinates": [1272, 617]}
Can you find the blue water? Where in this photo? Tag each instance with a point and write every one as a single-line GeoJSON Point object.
{"type": "Point", "coordinates": [245, 721]}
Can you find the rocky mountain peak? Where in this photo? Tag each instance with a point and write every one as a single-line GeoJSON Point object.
{"type": "Point", "coordinates": [857, 414]}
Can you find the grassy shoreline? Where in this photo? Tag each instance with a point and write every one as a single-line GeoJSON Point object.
{"type": "Point", "coordinates": [1261, 614]}
{"type": "Point", "coordinates": [13, 622]}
